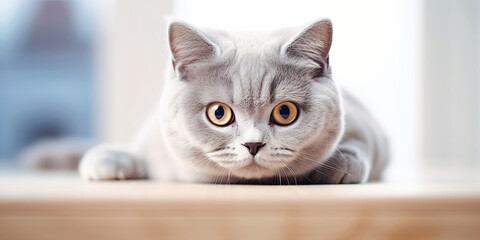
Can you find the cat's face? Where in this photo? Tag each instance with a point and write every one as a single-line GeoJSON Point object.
{"type": "Point", "coordinates": [252, 105]}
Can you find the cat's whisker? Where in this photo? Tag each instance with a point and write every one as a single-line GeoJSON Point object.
{"type": "Point", "coordinates": [302, 174]}
{"type": "Point", "coordinates": [286, 176]}
{"type": "Point", "coordinates": [292, 169]}
{"type": "Point", "coordinates": [229, 173]}
{"type": "Point", "coordinates": [204, 164]}
{"type": "Point", "coordinates": [325, 164]}
{"type": "Point", "coordinates": [223, 155]}
{"type": "Point", "coordinates": [279, 177]}
{"type": "Point", "coordinates": [289, 169]}
{"type": "Point", "coordinates": [204, 170]}
{"type": "Point", "coordinates": [282, 148]}
{"type": "Point", "coordinates": [201, 164]}
{"type": "Point", "coordinates": [141, 176]}
{"type": "Point", "coordinates": [219, 179]}
{"type": "Point", "coordinates": [221, 149]}
{"type": "Point", "coordinates": [223, 175]}
{"type": "Point", "coordinates": [314, 168]}
{"type": "Point", "coordinates": [338, 168]}
{"type": "Point", "coordinates": [211, 179]}
{"type": "Point", "coordinates": [341, 155]}
{"type": "Point", "coordinates": [216, 179]}
{"type": "Point", "coordinates": [333, 168]}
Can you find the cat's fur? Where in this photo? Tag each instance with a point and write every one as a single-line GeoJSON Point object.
{"type": "Point", "coordinates": [333, 140]}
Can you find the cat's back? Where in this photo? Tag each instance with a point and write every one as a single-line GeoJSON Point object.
{"type": "Point", "coordinates": [361, 127]}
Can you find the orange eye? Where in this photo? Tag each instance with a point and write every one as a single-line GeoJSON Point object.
{"type": "Point", "coordinates": [220, 114]}
{"type": "Point", "coordinates": [285, 113]}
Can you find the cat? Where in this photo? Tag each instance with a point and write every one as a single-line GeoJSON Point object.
{"type": "Point", "coordinates": [254, 108]}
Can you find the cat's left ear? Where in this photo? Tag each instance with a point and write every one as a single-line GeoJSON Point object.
{"type": "Point", "coordinates": [313, 43]}
{"type": "Point", "coordinates": [188, 46]}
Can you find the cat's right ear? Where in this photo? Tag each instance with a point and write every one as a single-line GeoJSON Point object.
{"type": "Point", "coordinates": [188, 47]}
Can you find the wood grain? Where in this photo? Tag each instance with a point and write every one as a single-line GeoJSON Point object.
{"type": "Point", "coordinates": [64, 207]}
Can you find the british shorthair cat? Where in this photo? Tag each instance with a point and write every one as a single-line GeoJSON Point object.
{"type": "Point", "coordinates": [255, 108]}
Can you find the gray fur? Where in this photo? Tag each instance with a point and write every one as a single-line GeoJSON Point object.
{"type": "Point", "coordinates": [333, 140]}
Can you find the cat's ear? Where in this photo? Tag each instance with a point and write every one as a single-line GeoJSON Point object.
{"type": "Point", "coordinates": [313, 43]}
{"type": "Point", "coordinates": [188, 46]}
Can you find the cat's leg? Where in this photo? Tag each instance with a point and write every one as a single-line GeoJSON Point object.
{"type": "Point", "coordinates": [348, 164]}
{"type": "Point", "coordinates": [112, 163]}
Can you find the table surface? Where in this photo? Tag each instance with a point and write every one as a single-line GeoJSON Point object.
{"type": "Point", "coordinates": [55, 206]}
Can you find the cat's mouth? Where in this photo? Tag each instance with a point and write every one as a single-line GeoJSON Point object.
{"type": "Point", "coordinates": [238, 164]}
{"type": "Point", "coordinates": [267, 163]}
{"type": "Point", "coordinates": [256, 169]}
{"type": "Point", "coordinates": [253, 167]}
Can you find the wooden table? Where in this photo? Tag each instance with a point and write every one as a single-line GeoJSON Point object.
{"type": "Point", "coordinates": [61, 206]}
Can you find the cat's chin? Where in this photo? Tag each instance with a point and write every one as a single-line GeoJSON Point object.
{"type": "Point", "coordinates": [254, 171]}
{"type": "Point", "coordinates": [253, 167]}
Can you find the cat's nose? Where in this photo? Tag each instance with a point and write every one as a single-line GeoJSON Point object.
{"type": "Point", "coordinates": [253, 147]}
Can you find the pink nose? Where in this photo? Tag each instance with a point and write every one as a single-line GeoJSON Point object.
{"type": "Point", "coordinates": [253, 147]}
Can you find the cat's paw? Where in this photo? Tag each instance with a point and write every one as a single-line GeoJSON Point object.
{"type": "Point", "coordinates": [107, 163]}
{"type": "Point", "coordinates": [343, 167]}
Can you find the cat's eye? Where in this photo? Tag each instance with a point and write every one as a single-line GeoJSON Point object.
{"type": "Point", "coordinates": [285, 113]}
{"type": "Point", "coordinates": [220, 114]}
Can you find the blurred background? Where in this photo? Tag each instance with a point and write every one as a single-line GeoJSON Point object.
{"type": "Point", "coordinates": [76, 72]}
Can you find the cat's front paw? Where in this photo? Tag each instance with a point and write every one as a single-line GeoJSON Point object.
{"type": "Point", "coordinates": [347, 167]}
{"type": "Point", "coordinates": [343, 167]}
{"type": "Point", "coordinates": [107, 163]}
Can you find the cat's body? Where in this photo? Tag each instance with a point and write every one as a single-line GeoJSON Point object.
{"type": "Point", "coordinates": [250, 108]}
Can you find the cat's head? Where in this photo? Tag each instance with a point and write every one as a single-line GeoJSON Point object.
{"type": "Point", "coordinates": [255, 105]}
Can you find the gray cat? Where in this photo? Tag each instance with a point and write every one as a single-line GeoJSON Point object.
{"type": "Point", "coordinates": [255, 108]}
